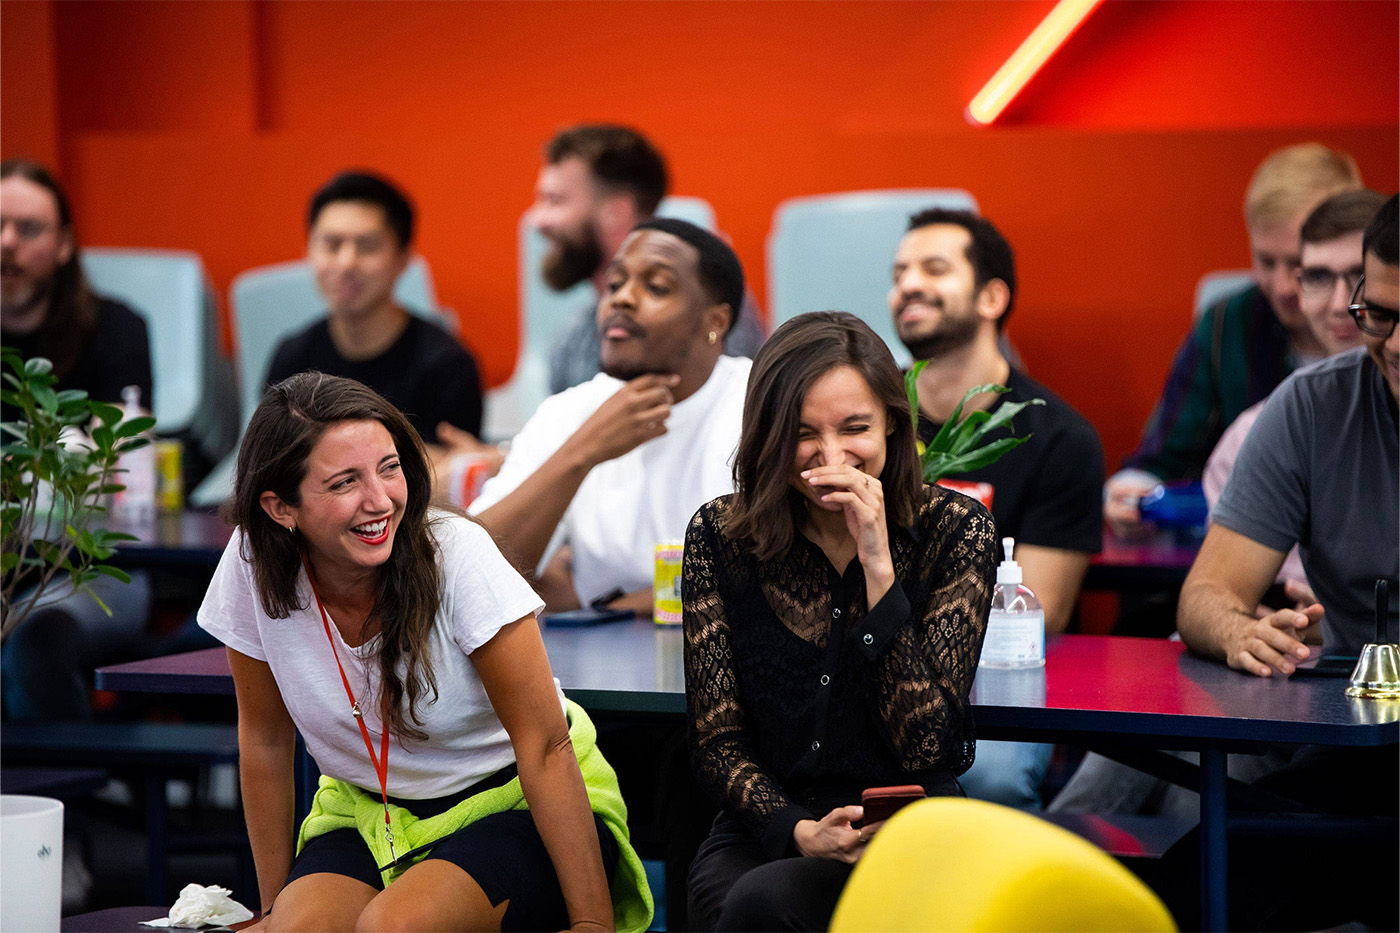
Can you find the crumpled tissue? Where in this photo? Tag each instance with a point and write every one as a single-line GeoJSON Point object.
{"type": "Point", "coordinates": [198, 905]}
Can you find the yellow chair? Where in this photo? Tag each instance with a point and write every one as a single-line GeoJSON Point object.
{"type": "Point", "coordinates": [966, 865]}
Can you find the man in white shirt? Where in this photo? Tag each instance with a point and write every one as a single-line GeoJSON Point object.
{"type": "Point", "coordinates": [619, 464]}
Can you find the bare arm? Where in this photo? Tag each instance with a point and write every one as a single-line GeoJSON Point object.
{"type": "Point", "coordinates": [266, 746]}
{"type": "Point", "coordinates": [1054, 574]}
{"type": "Point", "coordinates": [514, 669]}
{"type": "Point", "coordinates": [525, 519]}
{"type": "Point", "coordinates": [1216, 615]}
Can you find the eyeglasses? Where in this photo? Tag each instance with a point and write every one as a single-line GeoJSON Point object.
{"type": "Point", "coordinates": [1320, 281]}
{"type": "Point", "coordinates": [1372, 319]}
{"type": "Point", "coordinates": [26, 228]}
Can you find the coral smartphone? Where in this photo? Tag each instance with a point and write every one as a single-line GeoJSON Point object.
{"type": "Point", "coordinates": [881, 803]}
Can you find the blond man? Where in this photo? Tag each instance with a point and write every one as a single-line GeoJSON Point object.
{"type": "Point", "coordinates": [1247, 343]}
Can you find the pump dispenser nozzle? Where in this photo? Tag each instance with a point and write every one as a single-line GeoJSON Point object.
{"type": "Point", "coordinates": [1008, 571]}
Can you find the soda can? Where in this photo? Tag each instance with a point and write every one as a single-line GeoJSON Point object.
{"type": "Point", "coordinates": [170, 483]}
{"type": "Point", "coordinates": [667, 587]}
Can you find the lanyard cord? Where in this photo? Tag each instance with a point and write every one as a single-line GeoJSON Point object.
{"type": "Point", "coordinates": [380, 762]}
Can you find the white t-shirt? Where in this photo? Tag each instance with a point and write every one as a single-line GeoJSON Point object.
{"type": "Point", "coordinates": [466, 741]}
{"type": "Point", "coordinates": [628, 505]}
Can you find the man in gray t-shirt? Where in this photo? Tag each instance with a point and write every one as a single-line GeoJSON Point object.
{"type": "Point", "coordinates": [1319, 469]}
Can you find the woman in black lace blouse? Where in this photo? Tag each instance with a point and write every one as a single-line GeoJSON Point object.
{"type": "Point", "coordinates": [834, 613]}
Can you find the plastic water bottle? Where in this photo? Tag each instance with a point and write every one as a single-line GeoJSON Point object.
{"type": "Point", "coordinates": [1016, 626]}
{"type": "Point", "coordinates": [136, 504]}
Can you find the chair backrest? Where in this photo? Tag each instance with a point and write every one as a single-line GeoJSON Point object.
{"type": "Point", "coordinates": [545, 313]}
{"type": "Point", "coordinates": [169, 290]}
{"type": "Point", "coordinates": [955, 864]}
{"type": "Point", "coordinates": [1216, 285]}
{"type": "Point", "coordinates": [272, 302]}
{"type": "Point", "coordinates": [832, 252]}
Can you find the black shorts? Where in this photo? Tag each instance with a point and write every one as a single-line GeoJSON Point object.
{"type": "Point", "coordinates": [503, 853]}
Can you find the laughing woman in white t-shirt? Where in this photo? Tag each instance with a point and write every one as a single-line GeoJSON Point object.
{"type": "Point", "coordinates": [459, 790]}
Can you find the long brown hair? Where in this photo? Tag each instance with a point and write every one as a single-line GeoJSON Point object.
{"type": "Point", "coordinates": [289, 421]}
{"type": "Point", "coordinates": [766, 510]}
{"type": "Point", "coordinates": [72, 311]}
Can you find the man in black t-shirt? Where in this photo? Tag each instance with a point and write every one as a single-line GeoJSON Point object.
{"type": "Point", "coordinates": [359, 234]}
{"type": "Point", "coordinates": [99, 346]}
{"type": "Point", "coordinates": [953, 289]}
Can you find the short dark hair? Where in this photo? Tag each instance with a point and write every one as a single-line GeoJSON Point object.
{"type": "Point", "coordinates": [290, 420]}
{"type": "Point", "coordinates": [1381, 239]}
{"type": "Point", "coordinates": [368, 188]}
{"type": "Point", "coordinates": [72, 314]}
{"type": "Point", "coordinates": [766, 511]}
{"type": "Point", "coordinates": [721, 274]}
{"type": "Point", "coordinates": [1343, 213]}
{"type": "Point", "coordinates": [618, 157]}
{"type": "Point", "coordinates": [989, 253]}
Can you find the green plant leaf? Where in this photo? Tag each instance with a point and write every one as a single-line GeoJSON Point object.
{"type": "Point", "coordinates": [107, 414]}
{"type": "Point", "coordinates": [134, 426]}
{"type": "Point", "coordinates": [38, 366]}
{"type": "Point", "coordinates": [911, 390]}
{"type": "Point", "coordinates": [19, 450]}
{"type": "Point", "coordinates": [974, 460]}
{"type": "Point", "coordinates": [967, 432]}
{"type": "Point", "coordinates": [116, 573]}
{"type": "Point", "coordinates": [69, 396]}
{"type": "Point", "coordinates": [1009, 410]}
{"type": "Point", "coordinates": [47, 399]}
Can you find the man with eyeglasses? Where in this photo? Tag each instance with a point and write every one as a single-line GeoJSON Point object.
{"type": "Point", "coordinates": [99, 346]}
{"type": "Point", "coordinates": [1330, 266]}
{"type": "Point", "coordinates": [1331, 256]}
{"type": "Point", "coordinates": [1321, 469]}
{"type": "Point", "coordinates": [1242, 347]}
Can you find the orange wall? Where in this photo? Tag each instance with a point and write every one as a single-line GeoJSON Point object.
{"type": "Point", "coordinates": [1117, 176]}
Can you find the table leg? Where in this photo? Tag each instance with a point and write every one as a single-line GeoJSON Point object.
{"type": "Point", "coordinates": [156, 842]}
{"type": "Point", "coordinates": [1214, 857]}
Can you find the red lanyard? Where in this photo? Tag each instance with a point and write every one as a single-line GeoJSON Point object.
{"type": "Point", "coordinates": [381, 761]}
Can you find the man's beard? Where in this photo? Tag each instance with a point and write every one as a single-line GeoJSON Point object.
{"type": "Point", "coordinates": [25, 308]}
{"type": "Point", "coordinates": [570, 262]}
{"type": "Point", "coordinates": [950, 334]}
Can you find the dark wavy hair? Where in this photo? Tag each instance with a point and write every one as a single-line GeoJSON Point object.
{"type": "Point", "coordinates": [72, 306]}
{"type": "Point", "coordinates": [288, 423]}
{"type": "Point", "coordinates": [766, 511]}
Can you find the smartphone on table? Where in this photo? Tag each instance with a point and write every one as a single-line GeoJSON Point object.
{"type": "Point", "coordinates": [881, 803]}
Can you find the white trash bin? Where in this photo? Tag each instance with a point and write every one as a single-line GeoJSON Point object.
{"type": "Point", "coordinates": [31, 863]}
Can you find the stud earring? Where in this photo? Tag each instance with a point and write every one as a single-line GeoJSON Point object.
{"type": "Point", "coordinates": [714, 337]}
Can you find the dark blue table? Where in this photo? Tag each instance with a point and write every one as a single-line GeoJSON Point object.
{"type": "Point", "coordinates": [1093, 690]}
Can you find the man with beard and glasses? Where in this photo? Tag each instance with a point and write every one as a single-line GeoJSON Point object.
{"type": "Point", "coordinates": [619, 464]}
{"type": "Point", "coordinates": [96, 345]}
{"type": "Point", "coordinates": [954, 286]}
{"type": "Point", "coordinates": [597, 183]}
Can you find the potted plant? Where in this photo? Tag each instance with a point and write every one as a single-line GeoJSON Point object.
{"type": "Point", "coordinates": [954, 449]}
{"type": "Point", "coordinates": [59, 453]}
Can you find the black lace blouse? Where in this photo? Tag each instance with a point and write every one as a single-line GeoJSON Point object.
{"type": "Point", "coordinates": [798, 696]}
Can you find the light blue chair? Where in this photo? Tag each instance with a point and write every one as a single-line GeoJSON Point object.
{"type": "Point", "coordinates": [273, 302]}
{"type": "Point", "coordinates": [544, 314]}
{"type": "Point", "coordinates": [1214, 286]}
{"type": "Point", "coordinates": [192, 381]}
{"type": "Point", "coordinates": [833, 252]}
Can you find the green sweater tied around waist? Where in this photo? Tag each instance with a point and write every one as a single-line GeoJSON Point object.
{"type": "Point", "coordinates": [339, 805]}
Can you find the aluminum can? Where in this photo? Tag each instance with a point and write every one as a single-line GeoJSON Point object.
{"type": "Point", "coordinates": [170, 483]}
{"type": "Point", "coordinates": [667, 586]}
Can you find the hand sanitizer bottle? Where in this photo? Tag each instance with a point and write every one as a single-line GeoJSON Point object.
{"type": "Point", "coordinates": [136, 503]}
{"type": "Point", "coordinates": [1016, 626]}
